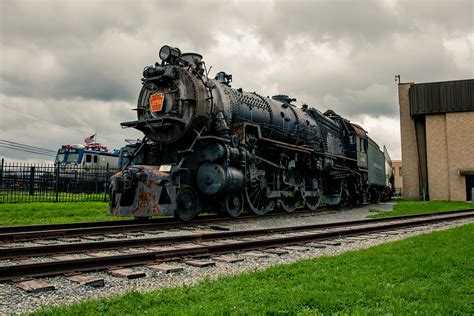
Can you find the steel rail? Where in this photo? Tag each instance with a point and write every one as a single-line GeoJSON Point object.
{"type": "Point", "coordinates": [12, 272]}
{"type": "Point", "coordinates": [65, 226]}
{"type": "Point", "coordinates": [64, 248]}
{"type": "Point", "coordinates": [82, 231]}
{"type": "Point", "coordinates": [167, 220]}
{"type": "Point", "coordinates": [45, 227]}
{"type": "Point", "coordinates": [24, 233]}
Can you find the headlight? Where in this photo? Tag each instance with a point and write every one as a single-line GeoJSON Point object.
{"type": "Point", "coordinates": [168, 53]}
{"type": "Point", "coordinates": [165, 52]}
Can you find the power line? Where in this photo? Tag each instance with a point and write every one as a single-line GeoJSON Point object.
{"type": "Point", "coordinates": [26, 148]}
{"type": "Point", "coordinates": [19, 145]}
{"type": "Point", "coordinates": [10, 109]}
{"type": "Point", "coordinates": [28, 151]}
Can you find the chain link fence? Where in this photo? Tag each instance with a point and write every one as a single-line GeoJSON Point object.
{"type": "Point", "coordinates": [24, 183]}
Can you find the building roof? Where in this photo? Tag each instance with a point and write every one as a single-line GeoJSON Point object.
{"type": "Point", "coordinates": [442, 97]}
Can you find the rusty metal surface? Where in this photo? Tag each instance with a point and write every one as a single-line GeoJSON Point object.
{"type": "Point", "coordinates": [359, 130]}
{"type": "Point", "coordinates": [151, 186]}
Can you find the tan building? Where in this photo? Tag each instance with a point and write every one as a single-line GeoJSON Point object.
{"type": "Point", "coordinates": [397, 177]}
{"type": "Point", "coordinates": [437, 131]}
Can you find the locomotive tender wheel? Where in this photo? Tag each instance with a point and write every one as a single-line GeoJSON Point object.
{"type": "Point", "coordinates": [187, 204]}
{"type": "Point", "coordinates": [233, 204]}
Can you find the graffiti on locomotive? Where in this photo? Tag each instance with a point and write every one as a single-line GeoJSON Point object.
{"type": "Point", "coordinates": [210, 147]}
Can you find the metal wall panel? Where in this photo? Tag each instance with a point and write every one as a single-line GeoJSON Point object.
{"type": "Point", "coordinates": [376, 159]}
{"type": "Point", "coordinates": [442, 97]}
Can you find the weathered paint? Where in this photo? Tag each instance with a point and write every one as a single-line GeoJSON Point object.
{"type": "Point", "coordinates": [150, 185]}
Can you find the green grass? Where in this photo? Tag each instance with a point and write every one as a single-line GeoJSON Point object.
{"type": "Point", "coordinates": [406, 207]}
{"type": "Point", "coordinates": [49, 213]}
{"type": "Point", "coordinates": [431, 274]}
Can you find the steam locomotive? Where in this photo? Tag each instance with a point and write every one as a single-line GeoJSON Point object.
{"type": "Point", "coordinates": [208, 146]}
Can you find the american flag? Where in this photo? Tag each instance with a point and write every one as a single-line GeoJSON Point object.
{"type": "Point", "coordinates": [90, 139]}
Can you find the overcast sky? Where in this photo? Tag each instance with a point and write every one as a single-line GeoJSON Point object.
{"type": "Point", "coordinates": [72, 68]}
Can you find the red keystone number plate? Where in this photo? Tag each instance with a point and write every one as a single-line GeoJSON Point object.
{"type": "Point", "coordinates": [156, 102]}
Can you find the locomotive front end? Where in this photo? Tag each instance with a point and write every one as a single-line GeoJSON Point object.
{"type": "Point", "coordinates": [142, 191]}
{"type": "Point", "coordinates": [172, 100]}
{"type": "Point", "coordinates": [174, 105]}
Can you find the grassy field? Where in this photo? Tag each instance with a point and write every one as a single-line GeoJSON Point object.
{"type": "Point", "coordinates": [405, 207]}
{"type": "Point", "coordinates": [49, 213]}
{"type": "Point", "coordinates": [429, 274]}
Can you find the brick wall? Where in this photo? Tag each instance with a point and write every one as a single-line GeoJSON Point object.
{"type": "Point", "coordinates": [437, 153]}
{"type": "Point", "coordinates": [460, 132]}
{"type": "Point", "coordinates": [411, 184]}
{"type": "Point", "coordinates": [450, 148]}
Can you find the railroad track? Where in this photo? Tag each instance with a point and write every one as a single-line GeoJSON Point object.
{"type": "Point", "coordinates": [33, 232]}
{"type": "Point", "coordinates": [198, 245]}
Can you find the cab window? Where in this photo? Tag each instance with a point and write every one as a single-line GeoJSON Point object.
{"type": "Point", "coordinates": [95, 159]}
{"type": "Point", "coordinates": [72, 157]}
{"type": "Point", "coordinates": [60, 157]}
{"type": "Point", "coordinates": [88, 158]}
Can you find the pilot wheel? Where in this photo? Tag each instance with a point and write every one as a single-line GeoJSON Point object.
{"type": "Point", "coordinates": [187, 204]}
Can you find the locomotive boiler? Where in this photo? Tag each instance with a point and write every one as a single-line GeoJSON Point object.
{"type": "Point", "coordinates": [210, 147]}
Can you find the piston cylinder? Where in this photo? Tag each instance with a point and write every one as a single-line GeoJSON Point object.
{"type": "Point", "coordinates": [213, 179]}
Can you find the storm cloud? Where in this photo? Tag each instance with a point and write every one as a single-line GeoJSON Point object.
{"type": "Point", "coordinates": [79, 64]}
